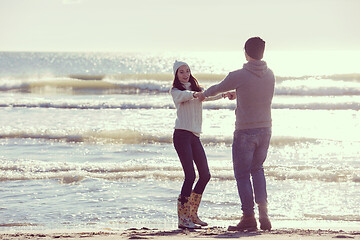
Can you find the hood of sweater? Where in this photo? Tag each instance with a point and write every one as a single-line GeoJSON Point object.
{"type": "Point", "coordinates": [259, 68]}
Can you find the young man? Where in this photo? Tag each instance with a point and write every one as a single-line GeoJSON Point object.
{"type": "Point", "coordinates": [254, 85]}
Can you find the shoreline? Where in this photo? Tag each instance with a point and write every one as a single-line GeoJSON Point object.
{"type": "Point", "coordinates": [179, 234]}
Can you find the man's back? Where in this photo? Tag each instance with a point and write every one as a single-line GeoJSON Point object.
{"type": "Point", "coordinates": [254, 94]}
{"type": "Point", "coordinates": [254, 85]}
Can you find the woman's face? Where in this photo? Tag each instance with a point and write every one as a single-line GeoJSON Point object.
{"type": "Point", "coordinates": [183, 73]}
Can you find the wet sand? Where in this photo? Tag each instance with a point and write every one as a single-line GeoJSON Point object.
{"type": "Point", "coordinates": [206, 233]}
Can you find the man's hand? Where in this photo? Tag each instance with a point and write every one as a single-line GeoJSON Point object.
{"type": "Point", "coordinates": [199, 95]}
{"type": "Point", "coordinates": [230, 95]}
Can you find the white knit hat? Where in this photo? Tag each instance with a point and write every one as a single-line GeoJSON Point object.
{"type": "Point", "coordinates": [178, 64]}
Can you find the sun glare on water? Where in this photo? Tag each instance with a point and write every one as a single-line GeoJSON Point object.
{"type": "Point", "coordinates": [283, 63]}
{"type": "Point", "coordinates": [313, 63]}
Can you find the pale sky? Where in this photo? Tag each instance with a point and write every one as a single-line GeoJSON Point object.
{"type": "Point", "coordinates": [177, 25]}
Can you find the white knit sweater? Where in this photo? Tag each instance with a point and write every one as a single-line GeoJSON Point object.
{"type": "Point", "coordinates": [189, 109]}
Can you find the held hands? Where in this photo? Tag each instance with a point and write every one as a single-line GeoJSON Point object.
{"type": "Point", "coordinates": [230, 95]}
{"type": "Point", "coordinates": [199, 95]}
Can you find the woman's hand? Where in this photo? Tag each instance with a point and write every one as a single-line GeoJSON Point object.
{"type": "Point", "coordinates": [199, 95]}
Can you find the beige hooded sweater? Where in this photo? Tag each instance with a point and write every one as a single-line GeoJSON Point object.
{"type": "Point", "coordinates": [254, 85]}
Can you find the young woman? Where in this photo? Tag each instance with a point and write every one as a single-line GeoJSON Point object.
{"type": "Point", "coordinates": [187, 143]}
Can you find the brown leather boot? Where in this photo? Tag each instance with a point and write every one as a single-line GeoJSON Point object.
{"type": "Point", "coordinates": [264, 220]}
{"type": "Point", "coordinates": [247, 223]}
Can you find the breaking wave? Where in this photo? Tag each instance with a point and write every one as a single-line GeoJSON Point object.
{"type": "Point", "coordinates": [67, 173]}
{"type": "Point", "coordinates": [161, 83]}
{"type": "Point", "coordinates": [316, 106]}
{"type": "Point", "coordinates": [126, 136]}
{"type": "Point", "coordinates": [312, 103]}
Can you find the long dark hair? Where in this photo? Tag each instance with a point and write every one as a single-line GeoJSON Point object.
{"type": "Point", "coordinates": [194, 83]}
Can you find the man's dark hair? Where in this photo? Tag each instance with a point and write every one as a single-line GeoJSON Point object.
{"type": "Point", "coordinates": [254, 47]}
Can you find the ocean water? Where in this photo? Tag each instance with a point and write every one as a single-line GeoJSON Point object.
{"type": "Point", "coordinates": [86, 142]}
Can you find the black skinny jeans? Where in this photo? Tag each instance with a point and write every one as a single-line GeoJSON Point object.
{"type": "Point", "coordinates": [189, 150]}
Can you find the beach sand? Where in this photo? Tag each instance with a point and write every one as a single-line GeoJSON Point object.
{"type": "Point", "coordinates": [205, 233]}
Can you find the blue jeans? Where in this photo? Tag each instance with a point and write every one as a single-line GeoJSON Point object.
{"type": "Point", "coordinates": [250, 147]}
{"type": "Point", "coordinates": [190, 151]}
